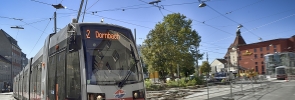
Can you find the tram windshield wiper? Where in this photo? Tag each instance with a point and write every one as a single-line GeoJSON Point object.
{"type": "Point", "coordinates": [123, 82]}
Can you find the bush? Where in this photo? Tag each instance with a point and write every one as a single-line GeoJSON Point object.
{"type": "Point", "coordinates": [153, 87]}
{"type": "Point", "coordinates": [199, 80]}
{"type": "Point", "coordinates": [148, 83]}
{"type": "Point", "coordinates": [171, 84]}
{"type": "Point", "coordinates": [191, 83]}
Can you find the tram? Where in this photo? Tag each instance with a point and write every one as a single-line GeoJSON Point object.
{"type": "Point", "coordinates": [84, 61]}
{"type": "Point", "coordinates": [282, 72]}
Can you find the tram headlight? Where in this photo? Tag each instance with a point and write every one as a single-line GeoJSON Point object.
{"type": "Point", "coordinates": [99, 97]}
{"type": "Point", "coordinates": [135, 95]}
{"type": "Point", "coordinates": [96, 96]}
{"type": "Point", "coordinates": [138, 94]}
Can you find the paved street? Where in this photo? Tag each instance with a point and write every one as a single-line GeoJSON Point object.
{"type": "Point", "coordinates": [285, 92]}
{"type": "Point", "coordinates": [250, 92]}
{"type": "Point", "coordinates": [6, 96]}
{"type": "Point", "coordinates": [273, 90]}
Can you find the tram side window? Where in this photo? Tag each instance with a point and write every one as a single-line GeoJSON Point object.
{"type": "Point", "coordinates": [73, 83]}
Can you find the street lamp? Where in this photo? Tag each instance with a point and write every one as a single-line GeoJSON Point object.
{"type": "Point", "coordinates": [58, 6]}
{"type": "Point", "coordinates": [153, 2]}
{"type": "Point", "coordinates": [195, 52]}
{"type": "Point", "coordinates": [202, 5]}
{"type": "Point", "coordinates": [17, 27]}
{"type": "Point", "coordinates": [230, 86]}
{"type": "Point", "coordinates": [238, 56]}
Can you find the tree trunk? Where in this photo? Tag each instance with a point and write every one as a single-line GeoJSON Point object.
{"type": "Point", "coordinates": [172, 74]}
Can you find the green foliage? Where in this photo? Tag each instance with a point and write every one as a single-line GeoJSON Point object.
{"type": "Point", "coordinates": [153, 87]}
{"type": "Point", "coordinates": [191, 83]}
{"type": "Point", "coordinates": [199, 80]}
{"type": "Point", "coordinates": [171, 84]}
{"type": "Point", "coordinates": [205, 68]}
{"type": "Point", "coordinates": [181, 83]}
{"type": "Point", "coordinates": [168, 45]}
{"type": "Point", "coordinates": [148, 83]}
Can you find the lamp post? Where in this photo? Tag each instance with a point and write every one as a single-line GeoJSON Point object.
{"type": "Point", "coordinates": [58, 6]}
{"type": "Point", "coordinates": [11, 71]}
{"type": "Point", "coordinates": [195, 52]}
{"type": "Point", "coordinates": [231, 95]}
{"type": "Point", "coordinates": [236, 49]}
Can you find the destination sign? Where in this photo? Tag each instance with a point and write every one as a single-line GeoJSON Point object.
{"type": "Point", "coordinates": [92, 34]}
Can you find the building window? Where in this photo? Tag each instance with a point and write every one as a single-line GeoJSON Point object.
{"type": "Point", "coordinates": [256, 68]}
{"type": "Point", "coordinates": [261, 48]}
{"type": "Point", "coordinates": [274, 46]}
{"type": "Point", "coordinates": [267, 48]}
{"type": "Point", "coordinates": [262, 62]}
{"type": "Point", "coordinates": [261, 55]}
{"type": "Point", "coordinates": [255, 56]}
{"type": "Point", "coordinates": [256, 63]}
{"type": "Point", "coordinates": [274, 50]}
{"type": "Point", "coordinates": [254, 49]}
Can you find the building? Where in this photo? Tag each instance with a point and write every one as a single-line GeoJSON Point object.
{"type": "Point", "coordinates": [5, 66]}
{"type": "Point", "coordinates": [218, 65]}
{"type": "Point", "coordinates": [252, 55]}
{"type": "Point", "coordinates": [232, 55]}
{"type": "Point", "coordinates": [242, 56]}
{"type": "Point", "coordinates": [24, 60]}
{"type": "Point", "coordinates": [274, 60]}
{"type": "Point", "coordinates": [12, 53]}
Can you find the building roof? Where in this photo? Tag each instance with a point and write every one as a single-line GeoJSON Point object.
{"type": "Point", "coordinates": [11, 39]}
{"type": "Point", "coordinates": [239, 40]}
{"type": "Point", "coordinates": [222, 61]}
{"type": "Point", "coordinates": [4, 59]}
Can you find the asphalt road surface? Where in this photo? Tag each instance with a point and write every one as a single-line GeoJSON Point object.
{"type": "Point", "coordinates": [286, 92]}
{"type": "Point", "coordinates": [276, 90]}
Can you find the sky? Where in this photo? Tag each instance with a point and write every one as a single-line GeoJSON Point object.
{"type": "Point", "coordinates": [216, 23]}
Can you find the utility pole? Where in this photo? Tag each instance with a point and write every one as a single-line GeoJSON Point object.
{"type": "Point", "coordinates": [207, 57]}
{"type": "Point", "coordinates": [81, 5]}
{"type": "Point", "coordinates": [231, 94]}
{"type": "Point", "coordinates": [55, 22]}
{"type": "Point", "coordinates": [135, 36]}
{"type": "Point", "coordinates": [207, 77]}
{"type": "Point", "coordinates": [197, 61]}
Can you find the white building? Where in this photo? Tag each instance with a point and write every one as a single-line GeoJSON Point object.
{"type": "Point", "coordinates": [220, 65]}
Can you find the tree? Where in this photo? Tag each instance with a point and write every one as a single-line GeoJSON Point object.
{"type": "Point", "coordinates": [167, 45]}
{"type": "Point", "coordinates": [251, 73]}
{"type": "Point", "coordinates": [205, 68]}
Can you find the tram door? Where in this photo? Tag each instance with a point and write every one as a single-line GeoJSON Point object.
{"type": "Point", "coordinates": [56, 76]}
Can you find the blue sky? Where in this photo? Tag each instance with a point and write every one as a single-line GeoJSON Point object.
{"type": "Point", "coordinates": [268, 19]}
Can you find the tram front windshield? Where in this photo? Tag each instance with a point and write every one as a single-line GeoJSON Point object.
{"type": "Point", "coordinates": [281, 71]}
{"type": "Point", "coordinates": [109, 59]}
